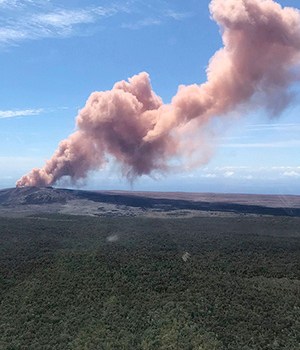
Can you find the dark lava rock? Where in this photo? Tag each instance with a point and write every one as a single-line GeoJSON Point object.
{"type": "Point", "coordinates": [49, 195]}
{"type": "Point", "coordinates": [34, 195]}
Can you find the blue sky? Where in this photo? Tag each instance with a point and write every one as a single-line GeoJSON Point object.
{"type": "Point", "coordinates": [53, 54]}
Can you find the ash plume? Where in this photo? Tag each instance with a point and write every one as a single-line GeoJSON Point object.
{"type": "Point", "coordinates": [257, 65]}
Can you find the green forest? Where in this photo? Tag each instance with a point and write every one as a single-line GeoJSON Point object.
{"type": "Point", "coordinates": [205, 283]}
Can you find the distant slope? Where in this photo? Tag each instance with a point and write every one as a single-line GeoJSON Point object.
{"type": "Point", "coordinates": [164, 201]}
{"type": "Point", "coordinates": [34, 195]}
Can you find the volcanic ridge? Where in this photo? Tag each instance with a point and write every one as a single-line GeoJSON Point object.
{"type": "Point", "coordinates": [31, 200]}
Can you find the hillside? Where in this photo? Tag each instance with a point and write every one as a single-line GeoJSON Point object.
{"type": "Point", "coordinates": [28, 200]}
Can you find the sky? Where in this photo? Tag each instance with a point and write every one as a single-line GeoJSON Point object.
{"type": "Point", "coordinates": [54, 54]}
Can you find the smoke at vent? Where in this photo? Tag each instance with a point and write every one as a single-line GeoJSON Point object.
{"type": "Point", "coordinates": [131, 124]}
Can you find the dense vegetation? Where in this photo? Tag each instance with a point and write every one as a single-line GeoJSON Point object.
{"type": "Point", "coordinates": [121, 283]}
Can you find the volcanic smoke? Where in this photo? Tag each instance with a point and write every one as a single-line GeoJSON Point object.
{"type": "Point", "coordinates": [257, 64]}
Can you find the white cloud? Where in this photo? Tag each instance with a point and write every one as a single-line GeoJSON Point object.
{"type": "Point", "coordinates": [15, 4]}
{"type": "Point", "coordinates": [291, 173]}
{"type": "Point", "coordinates": [232, 167]}
{"type": "Point", "coordinates": [20, 113]}
{"type": "Point", "coordinates": [177, 16]}
{"type": "Point", "coordinates": [37, 19]}
{"type": "Point", "coordinates": [158, 19]}
{"type": "Point", "coordinates": [8, 3]}
{"type": "Point", "coordinates": [209, 175]}
{"type": "Point", "coordinates": [11, 35]}
{"type": "Point", "coordinates": [249, 174]}
{"type": "Point", "coordinates": [146, 22]}
{"type": "Point", "coordinates": [63, 18]}
{"type": "Point", "coordinates": [229, 173]}
{"type": "Point", "coordinates": [60, 22]}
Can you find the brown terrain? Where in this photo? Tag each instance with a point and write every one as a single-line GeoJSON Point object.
{"type": "Point", "coordinates": [27, 201]}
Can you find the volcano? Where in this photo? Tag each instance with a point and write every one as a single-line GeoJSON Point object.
{"type": "Point", "coordinates": [122, 202]}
